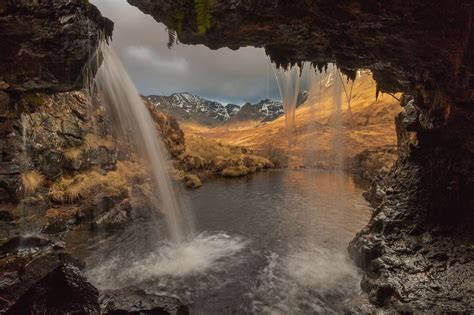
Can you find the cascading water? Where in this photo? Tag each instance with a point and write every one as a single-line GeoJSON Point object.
{"type": "Point", "coordinates": [288, 81]}
{"type": "Point", "coordinates": [24, 138]}
{"type": "Point", "coordinates": [338, 141]}
{"type": "Point", "coordinates": [314, 102]}
{"type": "Point", "coordinates": [130, 115]}
{"type": "Point", "coordinates": [184, 253]}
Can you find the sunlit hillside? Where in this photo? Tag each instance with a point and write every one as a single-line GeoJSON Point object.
{"type": "Point", "coordinates": [371, 125]}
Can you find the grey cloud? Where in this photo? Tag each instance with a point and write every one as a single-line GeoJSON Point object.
{"type": "Point", "coordinates": [224, 75]}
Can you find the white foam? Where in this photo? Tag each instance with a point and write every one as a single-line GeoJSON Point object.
{"type": "Point", "coordinates": [305, 281]}
{"type": "Point", "coordinates": [202, 254]}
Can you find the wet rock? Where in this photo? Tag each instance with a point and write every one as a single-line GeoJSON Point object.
{"type": "Point", "coordinates": [23, 243]}
{"type": "Point", "coordinates": [63, 291]}
{"type": "Point", "coordinates": [20, 269]}
{"type": "Point", "coordinates": [55, 227]}
{"type": "Point", "coordinates": [4, 103]}
{"type": "Point", "coordinates": [6, 216]}
{"type": "Point", "coordinates": [374, 163]}
{"type": "Point", "coordinates": [112, 220]}
{"type": "Point", "coordinates": [136, 301]}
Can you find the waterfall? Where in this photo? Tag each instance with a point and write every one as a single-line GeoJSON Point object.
{"type": "Point", "coordinates": [338, 141]}
{"type": "Point", "coordinates": [314, 103]}
{"type": "Point", "coordinates": [131, 118]}
{"type": "Point", "coordinates": [289, 86]}
{"type": "Point", "coordinates": [24, 139]}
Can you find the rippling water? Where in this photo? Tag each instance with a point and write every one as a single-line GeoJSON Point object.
{"type": "Point", "coordinates": [273, 243]}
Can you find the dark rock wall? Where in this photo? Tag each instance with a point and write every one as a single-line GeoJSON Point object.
{"type": "Point", "coordinates": [45, 44]}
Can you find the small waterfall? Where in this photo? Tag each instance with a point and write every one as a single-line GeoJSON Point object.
{"type": "Point", "coordinates": [131, 118]}
{"type": "Point", "coordinates": [338, 141]}
{"type": "Point", "coordinates": [24, 139]}
{"type": "Point", "coordinates": [314, 102]}
{"type": "Point", "coordinates": [289, 86]}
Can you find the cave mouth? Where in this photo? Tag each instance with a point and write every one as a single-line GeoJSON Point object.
{"type": "Point", "coordinates": [76, 188]}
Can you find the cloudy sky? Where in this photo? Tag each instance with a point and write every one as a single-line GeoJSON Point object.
{"type": "Point", "coordinates": [224, 75]}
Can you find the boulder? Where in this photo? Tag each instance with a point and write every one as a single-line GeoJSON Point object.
{"type": "Point", "coordinates": [62, 291]}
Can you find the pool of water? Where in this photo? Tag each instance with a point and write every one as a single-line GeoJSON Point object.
{"type": "Point", "coordinates": [272, 243]}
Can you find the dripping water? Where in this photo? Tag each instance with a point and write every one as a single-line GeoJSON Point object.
{"type": "Point", "coordinates": [338, 140]}
{"type": "Point", "coordinates": [185, 252]}
{"type": "Point", "coordinates": [288, 81]}
{"type": "Point", "coordinates": [24, 139]}
{"type": "Point", "coordinates": [314, 102]}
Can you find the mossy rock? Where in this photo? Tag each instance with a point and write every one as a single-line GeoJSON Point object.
{"type": "Point", "coordinates": [34, 99]}
{"type": "Point", "coordinates": [192, 181]}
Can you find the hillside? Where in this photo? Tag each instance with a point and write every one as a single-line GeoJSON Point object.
{"type": "Point", "coordinates": [371, 126]}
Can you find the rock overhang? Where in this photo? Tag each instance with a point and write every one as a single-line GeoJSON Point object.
{"type": "Point", "coordinates": [408, 46]}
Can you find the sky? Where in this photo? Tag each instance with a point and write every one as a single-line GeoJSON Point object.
{"type": "Point", "coordinates": [223, 75]}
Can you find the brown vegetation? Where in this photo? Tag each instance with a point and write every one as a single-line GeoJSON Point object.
{"type": "Point", "coordinates": [82, 186]}
{"type": "Point", "coordinates": [31, 181]}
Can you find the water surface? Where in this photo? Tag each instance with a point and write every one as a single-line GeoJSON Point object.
{"type": "Point", "coordinates": [271, 243]}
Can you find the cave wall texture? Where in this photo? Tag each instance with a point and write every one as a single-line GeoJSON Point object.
{"type": "Point", "coordinates": [44, 45]}
{"type": "Point", "coordinates": [417, 248]}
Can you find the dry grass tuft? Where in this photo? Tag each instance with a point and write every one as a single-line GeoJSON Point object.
{"type": "Point", "coordinates": [32, 180]}
{"type": "Point", "coordinates": [73, 153]}
{"type": "Point", "coordinates": [84, 185]}
{"type": "Point", "coordinates": [131, 169]}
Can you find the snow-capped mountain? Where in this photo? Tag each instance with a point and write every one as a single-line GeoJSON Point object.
{"type": "Point", "coordinates": [187, 106]}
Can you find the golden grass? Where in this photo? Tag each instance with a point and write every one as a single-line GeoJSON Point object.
{"type": "Point", "coordinates": [209, 149]}
{"type": "Point", "coordinates": [73, 153]}
{"type": "Point", "coordinates": [131, 169]}
{"type": "Point", "coordinates": [32, 180]}
{"type": "Point", "coordinates": [372, 125]}
{"type": "Point", "coordinates": [84, 185]}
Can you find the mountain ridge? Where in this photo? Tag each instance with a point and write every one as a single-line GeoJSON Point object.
{"type": "Point", "coordinates": [186, 106]}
